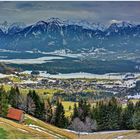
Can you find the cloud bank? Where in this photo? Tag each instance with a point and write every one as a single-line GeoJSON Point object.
{"type": "Point", "coordinates": [104, 12]}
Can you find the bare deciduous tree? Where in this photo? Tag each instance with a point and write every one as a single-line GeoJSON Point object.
{"type": "Point", "coordinates": [30, 105]}
{"type": "Point", "coordinates": [90, 125]}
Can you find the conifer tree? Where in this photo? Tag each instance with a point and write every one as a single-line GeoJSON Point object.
{"type": "Point", "coordinates": [3, 102]}
{"type": "Point", "coordinates": [108, 114]}
{"type": "Point", "coordinates": [39, 108]}
{"type": "Point", "coordinates": [100, 115]}
{"type": "Point", "coordinates": [136, 120]}
{"type": "Point", "coordinates": [14, 97]}
{"type": "Point", "coordinates": [137, 106]}
{"type": "Point", "coordinates": [114, 114]}
{"type": "Point", "coordinates": [59, 116]}
{"type": "Point", "coordinates": [127, 115]}
{"type": "Point", "coordinates": [83, 110]}
{"type": "Point", "coordinates": [75, 112]}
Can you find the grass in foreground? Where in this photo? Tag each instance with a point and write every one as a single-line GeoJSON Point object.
{"type": "Point", "coordinates": [12, 130]}
{"type": "Point", "coordinates": [128, 134]}
{"type": "Point", "coordinates": [50, 128]}
{"type": "Point", "coordinates": [3, 134]}
{"type": "Point", "coordinates": [21, 131]}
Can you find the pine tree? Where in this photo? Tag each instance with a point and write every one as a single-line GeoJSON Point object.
{"type": "Point", "coordinates": [40, 110]}
{"type": "Point", "coordinates": [127, 114]}
{"type": "Point", "coordinates": [100, 115]}
{"type": "Point", "coordinates": [3, 102]}
{"type": "Point", "coordinates": [137, 106]}
{"type": "Point", "coordinates": [59, 116]}
{"type": "Point", "coordinates": [38, 107]}
{"type": "Point", "coordinates": [14, 97]}
{"type": "Point", "coordinates": [136, 116]}
{"type": "Point", "coordinates": [75, 112]}
{"type": "Point", "coordinates": [114, 113]}
{"type": "Point", "coordinates": [136, 120]}
{"type": "Point", "coordinates": [108, 114]}
{"type": "Point", "coordinates": [84, 110]}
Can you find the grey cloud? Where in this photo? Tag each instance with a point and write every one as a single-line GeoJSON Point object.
{"type": "Point", "coordinates": [104, 12]}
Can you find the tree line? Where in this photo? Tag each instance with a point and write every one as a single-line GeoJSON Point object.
{"type": "Point", "coordinates": [107, 114]}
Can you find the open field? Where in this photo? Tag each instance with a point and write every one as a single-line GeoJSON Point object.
{"type": "Point", "coordinates": [45, 93]}
{"type": "Point", "coordinates": [68, 106]}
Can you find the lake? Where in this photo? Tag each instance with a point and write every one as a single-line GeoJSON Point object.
{"type": "Point", "coordinates": [118, 76]}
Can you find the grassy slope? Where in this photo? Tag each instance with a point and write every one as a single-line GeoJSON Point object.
{"type": "Point", "coordinates": [130, 134]}
{"type": "Point", "coordinates": [15, 130]}
{"type": "Point", "coordinates": [3, 133]}
{"type": "Point", "coordinates": [50, 128]}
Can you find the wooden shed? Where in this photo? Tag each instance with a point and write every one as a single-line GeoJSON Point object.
{"type": "Point", "coordinates": [16, 115]}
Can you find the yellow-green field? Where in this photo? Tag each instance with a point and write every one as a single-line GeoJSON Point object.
{"type": "Point", "coordinates": [67, 105]}
{"type": "Point", "coordinates": [15, 79]}
{"type": "Point", "coordinates": [44, 93]}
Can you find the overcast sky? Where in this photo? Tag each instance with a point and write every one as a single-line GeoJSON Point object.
{"type": "Point", "coordinates": [103, 12]}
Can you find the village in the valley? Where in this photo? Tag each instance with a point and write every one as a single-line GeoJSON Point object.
{"type": "Point", "coordinates": [113, 84]}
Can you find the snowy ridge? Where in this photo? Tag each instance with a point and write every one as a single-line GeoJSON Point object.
{"type": "Point", "coordinates": [5, 26]}
{"type": "Point", "coordinates": [78, 36]}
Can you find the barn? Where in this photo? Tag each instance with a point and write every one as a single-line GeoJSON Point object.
{"type": "Point", "coordinates": [16, 115]}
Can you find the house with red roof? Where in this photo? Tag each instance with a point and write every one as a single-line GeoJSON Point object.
{"type": "Point", "coordinates": [16, 115]}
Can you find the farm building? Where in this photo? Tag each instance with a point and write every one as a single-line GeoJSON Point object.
{"type": "Point", "coordinates": [16, 115]}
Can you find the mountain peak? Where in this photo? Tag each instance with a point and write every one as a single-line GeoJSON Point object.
{"type": "Point", "coordinates": [41, 22]}
{"type": "Point", "coordinates": [54, 20]}
{"type": "Point", "coordinates": [4, 26]}
{"type": "Point", "coordinates": [86, 25]}
{"type": "Point", "coordinates": [122, 24]}
{"type": "Point", "coordinates": [55, 34]}
{"type": "Point", "coordinates": [16, 27]}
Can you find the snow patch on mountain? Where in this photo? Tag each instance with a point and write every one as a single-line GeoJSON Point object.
{"type": "Point", "coordinates": [4, 26]}
{"type": "Point", "coordinates": [114, 24]}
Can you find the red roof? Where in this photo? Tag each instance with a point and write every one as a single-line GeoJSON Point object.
{"type": "Point", "coordinates": [15, 114]}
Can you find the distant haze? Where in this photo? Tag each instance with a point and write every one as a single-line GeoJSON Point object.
{"type": "Point", "coordinates": [103, 12]}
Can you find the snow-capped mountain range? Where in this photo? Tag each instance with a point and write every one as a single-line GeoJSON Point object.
{"type": "Point", "coordinates": [55, 34]}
